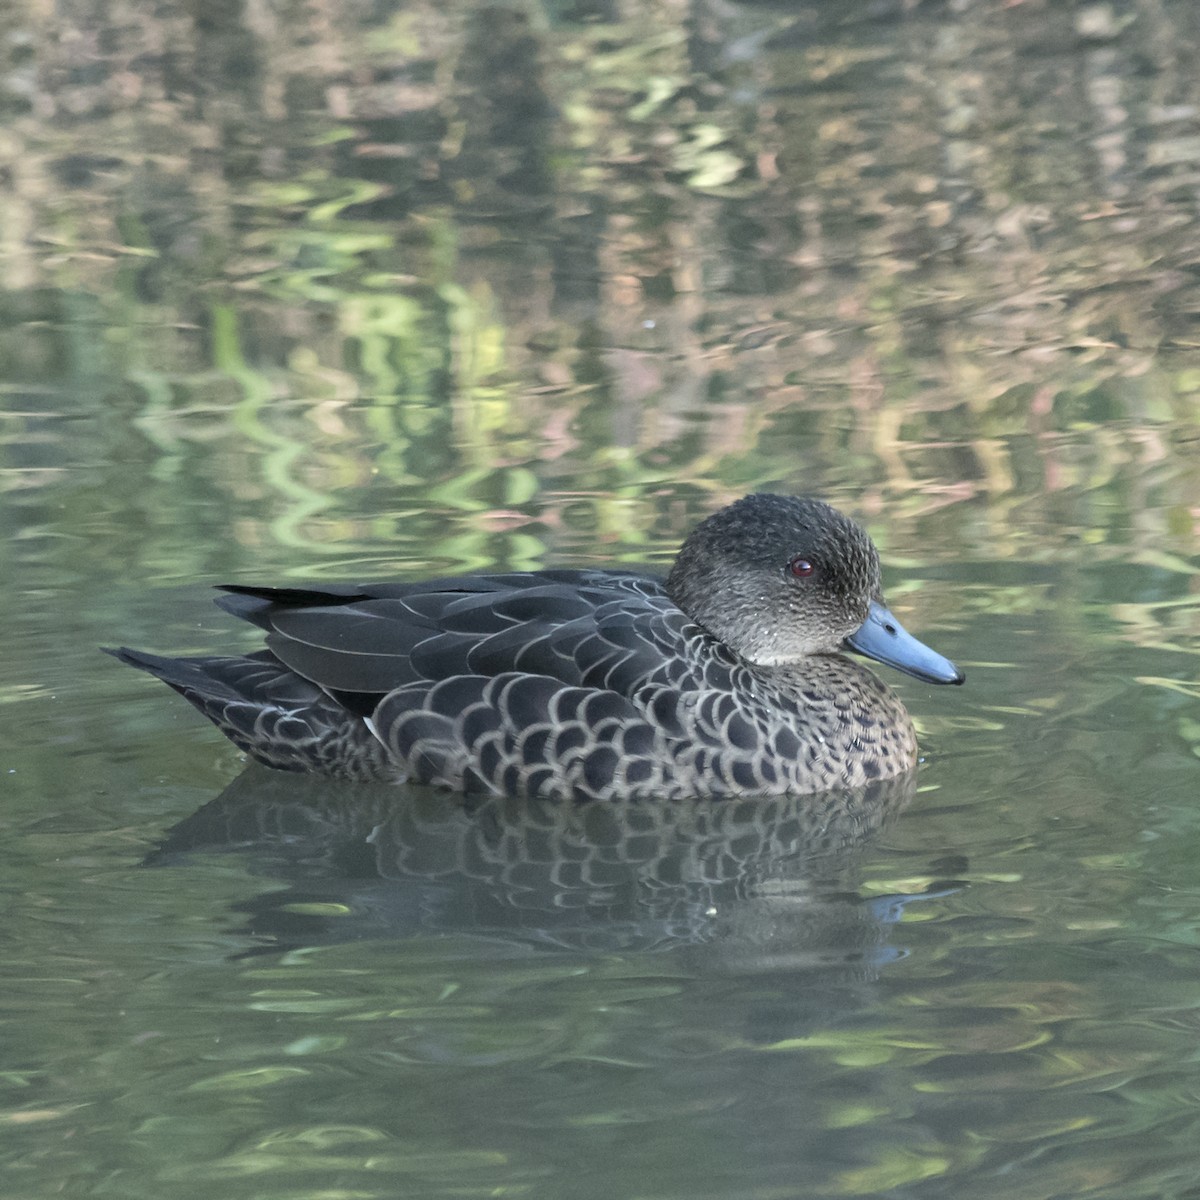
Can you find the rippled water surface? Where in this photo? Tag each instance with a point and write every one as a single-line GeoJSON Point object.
{"type": "Point", "coordinates": [378, 289]}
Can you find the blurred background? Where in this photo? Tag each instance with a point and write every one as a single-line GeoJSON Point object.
{"type": "Point", "coordinates": [362, 288]}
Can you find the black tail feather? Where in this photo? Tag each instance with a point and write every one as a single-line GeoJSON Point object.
{"type": "Point", "coordinates": [188, 676]}
{"type": "Point", "coordinates": [271, 713]}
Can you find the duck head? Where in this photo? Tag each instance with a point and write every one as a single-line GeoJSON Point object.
{"type": "Point", "coordinates": [778, 578]}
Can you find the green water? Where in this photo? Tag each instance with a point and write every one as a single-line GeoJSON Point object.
{"type": "Point", "coordinates": [399, 289]}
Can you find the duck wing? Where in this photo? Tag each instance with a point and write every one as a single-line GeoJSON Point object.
{"type": "Point", "coordinates": [554, 683]}
{"type": "Point", "coordinates": [605, 630]}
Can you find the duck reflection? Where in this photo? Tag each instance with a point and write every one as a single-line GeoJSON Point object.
{"type": "Point", "coordinates": [749, 885]}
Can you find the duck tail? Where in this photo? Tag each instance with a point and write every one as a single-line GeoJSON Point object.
{"type": "Point", "coordinates": [271, 713]}
{"type": "Point", "coordinates": [198, 680]}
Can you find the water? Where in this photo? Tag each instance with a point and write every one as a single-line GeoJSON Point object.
{"type": "Point", "coordinates": [410, 289]}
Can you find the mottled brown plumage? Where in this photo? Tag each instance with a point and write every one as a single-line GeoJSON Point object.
{"type": "Point", "coordinates": [726, 680]}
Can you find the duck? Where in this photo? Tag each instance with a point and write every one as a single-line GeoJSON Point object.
{"type": "Point", "coordinates": [731, 677]}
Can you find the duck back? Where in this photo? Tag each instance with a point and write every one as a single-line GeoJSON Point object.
{"type": "Point", "coordinates": [581, 684]}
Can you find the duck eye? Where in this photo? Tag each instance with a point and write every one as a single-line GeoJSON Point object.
{"type": "Point", "coordinates": [801, 567]}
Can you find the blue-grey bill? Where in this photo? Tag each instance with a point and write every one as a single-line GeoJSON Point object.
{"type": "Point", "coordinates": [884, 639]}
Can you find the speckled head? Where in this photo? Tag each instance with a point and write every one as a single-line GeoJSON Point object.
{"type": "Point", "coordinates": [776, 578]}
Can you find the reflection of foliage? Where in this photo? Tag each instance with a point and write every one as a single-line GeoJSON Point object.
{"type": "Point", "coordinates": [520, 273]}
{"type": "Point", "coordinates": [362, 288]}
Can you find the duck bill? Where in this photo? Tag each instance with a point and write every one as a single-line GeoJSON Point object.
{"type": "Point", "coordinates": [884, 639]}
